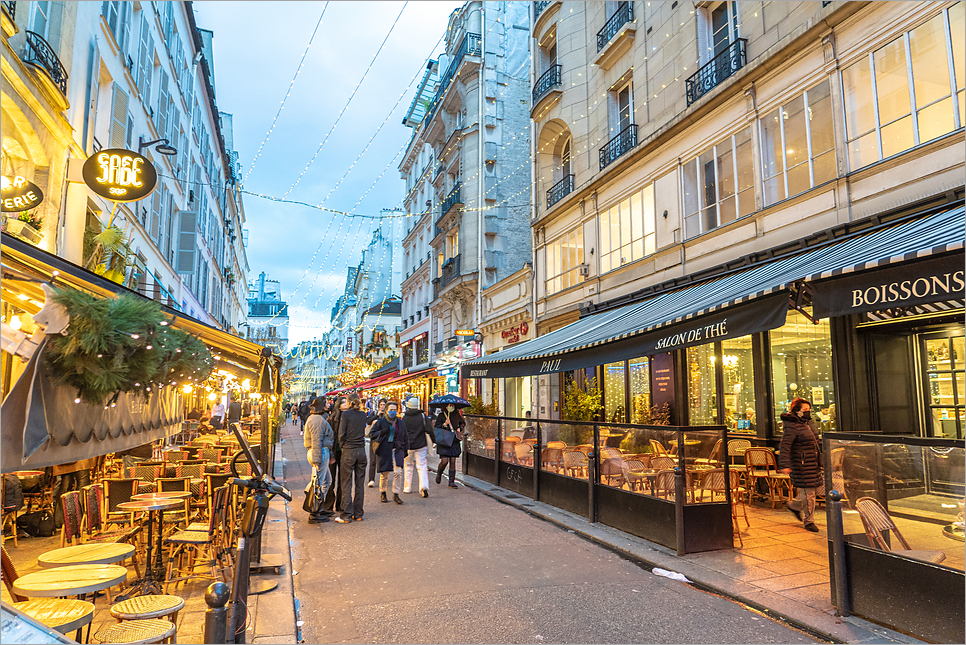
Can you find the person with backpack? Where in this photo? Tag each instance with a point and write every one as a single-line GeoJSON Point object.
{"type": "Point", "coordinates": [420, 431]}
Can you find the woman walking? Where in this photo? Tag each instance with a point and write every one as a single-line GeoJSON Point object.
{"type": "Point", "coordinates": [451, 419]}
{"type": "Point", "coordinates": [380, 414]}
{"type": "Point", "coordinates": [800, 455]}
{"type": "Point", "coordinates": [391, 452]}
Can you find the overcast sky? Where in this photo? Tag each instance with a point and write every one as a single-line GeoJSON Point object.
{"type": "Point", "coordinates": [257, 49]}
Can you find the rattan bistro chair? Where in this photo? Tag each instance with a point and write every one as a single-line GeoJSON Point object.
{"type": "Point", "coordinates": [760, 463]}
{"type": "Point", "coordinates": [575, 464]}
{"type": "Point", "coordinates": [876, 519]}
{"type": "Point", "coordinates": [187, 544]}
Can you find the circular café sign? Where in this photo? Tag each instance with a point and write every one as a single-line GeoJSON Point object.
{"type": "Point", "coordinates": [120, 175]}
{"type": "Point", "coordinates": [19, 194]}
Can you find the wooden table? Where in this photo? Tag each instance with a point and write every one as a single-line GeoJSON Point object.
{"type": "Point", "coordinates": [73, 580]}
{"type": "Point", "coordinates": [146, 585]}
{"type": "Point", "coordinates": [58, 613]}
{"type": "Point", "coordinates": [93, 553]}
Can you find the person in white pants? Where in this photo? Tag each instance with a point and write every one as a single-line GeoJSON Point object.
{"type": "Point", "coordinates": [420, 431]}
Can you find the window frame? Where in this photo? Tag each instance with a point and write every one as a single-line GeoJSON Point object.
{"type": "Point", "coordinates": [555, 258]}
{"type": "Point", "coordinates": [700, 186]}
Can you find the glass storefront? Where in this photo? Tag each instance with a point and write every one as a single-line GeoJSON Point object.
{"type": "Point", "coordinates": [944, 358]}
{"type": "Point", "coordinates": [614, 410]}
{"type": "Point", "coordinates": [702, 403]}
{"type": "Point", "coordinates": [739, 385]}
{"type": "Point", "coordinates": [640, 378]}
{"type": "Point", "coordinates": [801, 366]}
{"type": "Point", "coordinates": [517, 396]}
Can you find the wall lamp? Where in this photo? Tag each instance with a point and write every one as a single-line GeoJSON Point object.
{"type": "Point", "coordinates": [164, 147]}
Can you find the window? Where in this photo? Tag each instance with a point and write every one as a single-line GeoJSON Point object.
{"type": "Point", "coordinates": [884, 115]}
{"type": "Point", "coordinates": [640, 379]}
{"type": "Point", "coordinates": [738, 370]}
{"type": "Point", "coordinates": [440, 260]}
{"type": "Point", "coordinates": [627, 230]}
{"type": "Point", "coordinates": [946, 384]}
{"type": "Point", "coordinates": [718, 28]}
{"type": "Point", "coordinates": [797, 146]}
{"type": "Point", "coordinates": [719, 185]}
{"type": "Point", "coordinates": [564, 255]}
{"type": "Point", "coordinates": [41, 18]}
{"type": "Point", "coordinates": [801, 365]}
{"type": "Point", "coordinates": [701, 391]}
{"type": "Point", "coordinates": [453, 243]}
{"type": "Point", "coordinates": [621, 108]}
{"type": "Point", "coordinates": [614, 411]}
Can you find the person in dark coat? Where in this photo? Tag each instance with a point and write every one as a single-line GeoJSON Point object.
{"type": "Point", "coordinates": [380, 413]}
{"type": "Point", "coordinates": [333, 498]}
{"type": "Point", "coordinates": [419, 427]}
{"type": "Point", "coordinates": [800, 455]}
{"type": "Point", "coordinates": [451, 419]}
{"type": "Point", "coordinates": [393, 440]}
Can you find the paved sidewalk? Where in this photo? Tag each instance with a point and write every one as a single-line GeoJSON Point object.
{"type": "Point", "coordinates": [728, 573]}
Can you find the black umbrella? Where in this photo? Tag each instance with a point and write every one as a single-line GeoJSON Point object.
{"type": "Point", "coordinates": [449, 399]}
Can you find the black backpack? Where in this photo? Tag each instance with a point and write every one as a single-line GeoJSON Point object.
{"type": "Point", "coordinates": [12, 493]}
{"type": "Point", "coordinates": [37, 523]}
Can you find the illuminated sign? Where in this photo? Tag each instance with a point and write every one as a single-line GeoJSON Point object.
{"type": "Point", "coordinates": [465, 332]}
{"type": "Point", "coordinates": [120, 175]}
{"type": "Point", "coordinates": [513, 334]}
{"type": "Point", "coordinates": [19, 194]}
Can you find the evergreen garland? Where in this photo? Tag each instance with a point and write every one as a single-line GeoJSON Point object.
{"type": "Point", "coordinates": [121, 344]}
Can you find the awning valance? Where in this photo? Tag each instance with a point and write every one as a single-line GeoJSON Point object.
{"type": "Point", "coordinates": [738, 304]}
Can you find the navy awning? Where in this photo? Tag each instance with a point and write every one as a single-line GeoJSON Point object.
{"type": "Point", "coordinates": [735, 305]}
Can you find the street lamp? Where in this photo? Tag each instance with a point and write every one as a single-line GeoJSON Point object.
{"type": "Point", "coordinates": [164, 146]}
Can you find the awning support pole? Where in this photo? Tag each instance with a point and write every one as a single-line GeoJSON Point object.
{"type": "Point", "coordinates": [800, 289]}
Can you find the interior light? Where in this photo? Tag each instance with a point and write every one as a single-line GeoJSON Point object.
{"type": "Point", "coordinates": [22, 296]}
{"type": "Point", "coordinates": [212, 396]}
{"type": "Point", "coordinates": [187, 388]}
{"type": "Point", "coordinates": [15, 322]}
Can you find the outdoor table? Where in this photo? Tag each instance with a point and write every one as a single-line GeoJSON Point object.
{"type": "Point", "coordinates": [93, 553]}
{"type": "Point", "coordinates": [146, 585]}
{"type": "Point", "coordinates": [73, 580]}
{"type": "Point", "coordinates": [954, 532]}
{"type": "Point", "coordinates": [62, 615]}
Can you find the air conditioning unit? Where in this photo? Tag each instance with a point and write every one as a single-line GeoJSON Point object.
{"type": "Point", "coordinates": [584, 270]}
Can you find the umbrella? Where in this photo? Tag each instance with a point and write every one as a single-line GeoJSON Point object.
{"type": "Point", "coordinates": [449, 399]}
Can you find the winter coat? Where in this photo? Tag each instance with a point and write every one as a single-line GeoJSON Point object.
{"type": "Point", "coordinates": [390, 451]}
{"type": "Point", "coordinates": [418, 427]}
{"type": "Point", "coordinates": [801, 451]}
{"type": "Point", "coordinates": [318, 435]}
{"type": "Point", "coordinates": [456, 423]}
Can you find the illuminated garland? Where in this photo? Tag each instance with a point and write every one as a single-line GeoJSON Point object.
{"type": "Point", "coordinates": [356, 369]}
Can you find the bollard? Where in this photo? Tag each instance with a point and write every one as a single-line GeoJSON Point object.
{"type": "Point", "coordinates": [836, 529]}
{"type": "Point", "coordinates": [216, 617]}
{"type": "Point", "coordinates": [679, 508]}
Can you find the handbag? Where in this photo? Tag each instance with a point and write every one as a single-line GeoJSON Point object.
{"type": "Point", "coordinates": [37, 523]}
{"type": "Point", "coordinates": [445, 436]}
{"type": "Point", "coordinates": [313, 494]}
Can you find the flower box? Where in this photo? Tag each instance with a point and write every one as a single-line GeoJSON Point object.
{"type": "Point", "coordinates": [23, 230]}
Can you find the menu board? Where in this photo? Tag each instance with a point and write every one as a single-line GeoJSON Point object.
{"type": "Point", "coordinates": [18, 627]}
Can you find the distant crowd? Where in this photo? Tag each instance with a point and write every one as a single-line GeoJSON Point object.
{"type": "Point", "coordinates": [334, 433]}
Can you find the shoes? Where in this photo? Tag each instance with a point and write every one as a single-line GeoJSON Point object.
{"type": "Point", "coordinates": [811, 527]}
{"type": "Point", "coordinates": [439, 477]}
{"type": "Point", "coordinates": [383, 498]}
{"type": "Point", "coordinates": [423, 492]}
{"type": "Point", "coordinates": [407, 491]}
{"type": "Point", "coordinates": [453, 485]}
{"type": "Point", "coordinates": [357, 519]}
{"type": "Point", "coordinates": [797, 514]}
{"type": "Point", "coordinates": [396, 499]}
{"type": "Point", "coordinates": [371, 483]}
{"type": "Point", "coordinates": [342, 520]}
{"type": "Point", "coordinates": [327, 513]}
{"type": "Point", "coordinates": [317, 519]}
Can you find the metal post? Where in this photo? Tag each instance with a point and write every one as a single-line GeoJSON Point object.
{"type": "Point", "coordinates": [592, 477]}
{"type": "Point", "coordinates": [498, 449]}
{"type": "Point", "coordinates": [679, 508]}
{"type": "Point", "coordinates": [216, 617]}
{"type": "Point", "coordinates": [840, 567]}
{"type": "Point", "coordinates": [537, 462]}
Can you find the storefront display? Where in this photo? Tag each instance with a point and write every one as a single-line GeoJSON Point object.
{"type": "Point", "coordinates": [640, 381]}
{"type": "Point", "coordinates": [738, 368]}
{"type": "Point", "coordinates": [801, 366]}
{"type": "Point", "coordinates": [614, 410]}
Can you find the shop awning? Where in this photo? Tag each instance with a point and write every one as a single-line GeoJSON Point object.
{"type": "Point", "coordinates": [736, 305]}
{"type": "Point", "coordinates": [400, 378]}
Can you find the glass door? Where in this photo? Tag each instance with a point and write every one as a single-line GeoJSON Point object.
{"type": "Point", "coordinates": [944, 380]}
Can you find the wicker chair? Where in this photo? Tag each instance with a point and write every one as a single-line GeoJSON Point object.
{"type": "Point", "coordinates": [187, 543]}
{"type": "Point", "coordinates": [117, 491]}
{"type": "Point", "coordinates": [657, 448]}
{"type": "Point", "coordinates": [73, 507]}
{"type": "Point", "coordinates": [211, 455]}
{"type": "Point", "coordinates": [714, 482]}
{"type": "Point", "coordinates": [612, 471]}
{"type": "Point", "coordinates": [146, 473]}
{"type": "Point", "coordinates": [663, 463]}
{"type": "Point", "coordinates": [175, 456]}
{"type": "Point", "coordinates": [736, 448]}
{"type": "Point", "coordinates": [94, 523]}
{"type": "Point", "coordinates": [610, 453]}
{"type": "Point", "coordinates": [551, 459]}
{"type": "Point", "coordinates": [714, 459]}
{"type": "Point", "coordinates": [176, 484]}
{"type": "Point", "coordinates": [151, 630]}
{"type": "Point", "coordinates": [633, 471]}
{"type": "Point", "coordinates": [575, 464]}
{"type": "Point", "coordinates": [760, 464]}
{"type": "Point", "coordinates": [524, 454]}
{"type": "Point", "coordinates": [557, 444]}
{"type": "Point", "coordinates": [876, 519]}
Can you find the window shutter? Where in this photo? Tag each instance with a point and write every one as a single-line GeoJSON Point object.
{"type": "Point", "coordinates": [123, 26]}
{"type": "Point", "coordinates": [187, 242]}
{"type": "Point", "coordinates": [145, 60]}
{"type": "Point", "coordinates": [93, 87]}
{"type": "Point", "coordinates": [129, 138]}
{"type": "Point", "coordinates": [109, 11]}
{"type": "Point", "coordinates": [118, 117]}
{"type": "Point", "coordinates": [156, 216]}
{"type": "Point", "coordinates": [164, 105]}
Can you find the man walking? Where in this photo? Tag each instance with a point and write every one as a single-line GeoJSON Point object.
{"type": "Point", "coordinates": [234, 411]}
{"type": "Point", "coordinates": [318, 439]}
{"type": "Point", "coordinates": [304, 410]}
{"type": "Point", "coordinates": [352, 438]}
{"type": "Point", "coordinates": [420, 431]}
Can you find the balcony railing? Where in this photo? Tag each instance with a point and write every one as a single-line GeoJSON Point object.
{"type": "Point", "coordinates": [451, 271]}
{"type": "Point", "coordinates": [616, 147]}
{"type": "Point", "coordinates": [560, 190]}
{"type": "Point", "coordinates": [549, 80]}
{"type": "Point", "coordinates": [716, 70]}
{"type": "Point", "coordinates": [10, 6]}
{"type": "Point", "coordinates": [538, 8]}
{"type": "Point", "coordinates": [452, 199]}
{"type": "Point", "coordinates": [624, 13]}
{"type": "Point", "coordinates": [40, 54]}
{"type": "Point", "coordinates": [471, 46]}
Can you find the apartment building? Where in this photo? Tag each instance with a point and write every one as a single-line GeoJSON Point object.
{"type": "Point", "coordinates": [82, 77]}
{"type": "Point", "coordinates": [268, 318]}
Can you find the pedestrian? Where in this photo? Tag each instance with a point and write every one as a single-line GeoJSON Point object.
{"type": "Point", "coordinates": [451, 419]}
{"type": "Point", "coordinates": [333, 499]}
{"type": "Point", "coordinates": [74, 475]}
{"type": "Point", "coordinates": [234, 411]}
{"type": "Point", "coordinates": [304, 410]}
{"type": "Point", "coordinates": [379, 414]}
{"type": "Point", "coordinates": [218, 415]}
{"type": "Point", "coordinates": [420, 431]}
{"type": "Point", "coordinates": [194, 415]}
{"type": "Point", "coordinates": [318, 440]}
{"type": "Point", "coordinates": [393, 445]}
{"type": "Point", "coordinates": [800, 455]}
{"type": "Point", "coordinates": [352, 438]}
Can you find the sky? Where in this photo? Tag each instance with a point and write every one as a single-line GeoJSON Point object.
{"type": "Point", "coordinates": [257, 50]}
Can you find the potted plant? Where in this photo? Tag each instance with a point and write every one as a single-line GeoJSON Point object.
{"type": "Point", "coordinates": [580, 405]}
{"type": "Point", "coordinates": [26, 226]}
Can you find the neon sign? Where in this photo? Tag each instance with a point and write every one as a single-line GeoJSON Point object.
{"type": "Point", "coordinates": [19, 194]}
{"type": "Point", "coordinates": [120, 175]}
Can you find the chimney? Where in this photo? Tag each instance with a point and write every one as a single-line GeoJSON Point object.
{"type": "Point", "coordinates": [261, 286]}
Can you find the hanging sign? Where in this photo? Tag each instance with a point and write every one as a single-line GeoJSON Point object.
{"type": "Point", "coordinates": [19, 194]}
{"type": "Point", "coordinates": [465, 332]}
{"type": "Point", "coordinates": [120, 175]}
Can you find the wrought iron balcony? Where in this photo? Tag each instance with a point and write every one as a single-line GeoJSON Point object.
{"type": "Point", "coordinates": [472, 45]}
{"type": "Point", "coordinates": [538, 8]}
{"type": "Point", "coordinates": [560, 190]}
{"type": "Point", "coordinates": [716, 70]}
{"type": "Point", "coordinates": [452, 199]}
{"type": "Point", "coordinates": [40, 54]}
{"type": "Point", "coordinates": [10, 7]}
{"type": "Point", "coordinates": [451, 271]}
{"type": "Point", "coordinates": [616, 147]}
{"type": "Point", "coordinates": [624, 13]}
{"type": "Point", "coordinates": [547, 81]}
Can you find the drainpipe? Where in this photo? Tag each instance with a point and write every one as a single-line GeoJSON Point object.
{"type": "Point", "coordinates": [481, 143]}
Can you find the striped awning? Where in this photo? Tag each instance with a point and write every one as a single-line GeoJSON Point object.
{"type": "Point", "coordinates": [735, 305]}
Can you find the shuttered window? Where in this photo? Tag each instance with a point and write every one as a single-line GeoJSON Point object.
{"type": "Point", "coordinates": [164, 106]}
{"type": "Point", "coordinates": [145, 60]}
{"type": "Point", "coordinates": [118, 117]}
{"type": "Point", "coordinates": [187, 242]}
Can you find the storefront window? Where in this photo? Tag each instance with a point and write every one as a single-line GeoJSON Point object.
{"type": "Point", "coordinates": [517, 396]}
{"type": "Point", "coordinates": [640, 390]}
{"type": "Point", "coordinates": [946, 380]}
{"type": "Point", "coordinates": [701, 397]}
{"type": "Point", "coordinates": [614, 393]}
{"type": "Point", "coordinates": [801, 365]}
{"type": "Point", "coordinates": [739, 384]}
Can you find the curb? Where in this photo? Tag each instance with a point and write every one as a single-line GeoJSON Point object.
{"type": "Point", "coordinates": [875, 633]}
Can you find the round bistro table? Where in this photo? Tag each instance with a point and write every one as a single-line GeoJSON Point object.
{"type": "Point", "coordinates": [93, 553]}
{"type": "Point", "coordinates": [147, 584]}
